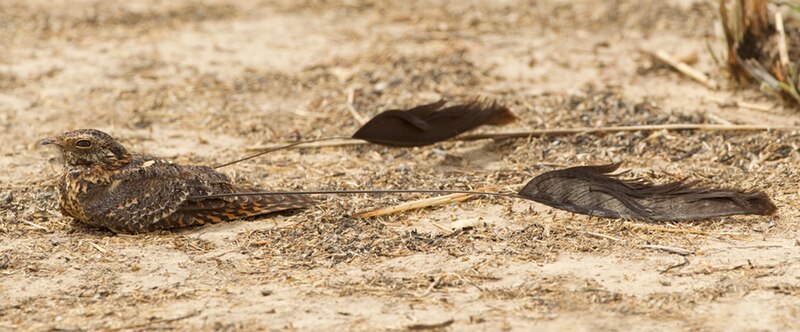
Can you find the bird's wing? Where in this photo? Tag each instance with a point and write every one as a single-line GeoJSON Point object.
{"type": "Point", "coordinates": [139, 197]}
{"type": "Point", "coordinates": [203, 181]}
{"type": "Point", "coordinates": [215, 210]}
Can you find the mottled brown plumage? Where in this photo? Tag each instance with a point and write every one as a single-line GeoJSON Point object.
{"type": "Point", "coordinates": [105, 185]}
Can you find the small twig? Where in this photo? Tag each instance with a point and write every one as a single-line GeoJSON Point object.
{"type": "Point", "coordinates": [684, 263]}
{"type": "Point", "coordinates": [665, 229]}
{"type": "Point", "coordinates": [684, 68]}
{"type": "Point", "coordinates": [35, 225]}
{"type": "Point", "coordinates": [157, 321]}
{"type": "Point", "coordinates": [468, 223]}
{"type": "Point", "coordinates": [419, 327]}
{"type": "Point", "coordinates": [749, 266]}
{"type": "Point", "coordinates": [761, 246]}
{"type": "Point", "coordinates": [603, 236]}
{"type": "Point", "coordinates": [482, 277]}
{"type": "Point", "coordinates": [718, 119]}
{"type": "Point", "coordinates": [351, 92]}
{"type": "Point", "coordinates": [782, 47]}
{"type": "Point", "coordinates": [440, 227]}
{"type": "Point", "coordinates": [98, 247]}
{"type": "Point", "coordinates": [743, 104]}
{"type": "Point", "coordinates": [672, 250]}
{"type": "Point", "coordinates": [421, 203]}
{"type": "Point", "coordinates": [432, 286]}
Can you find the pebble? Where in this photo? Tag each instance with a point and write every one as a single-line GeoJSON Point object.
{"type": "Point", "coordinates": [6, 198]}
{"type": "Point", "coordinates": [5, 261]}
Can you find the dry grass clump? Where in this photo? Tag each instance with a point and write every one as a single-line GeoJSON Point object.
{"type": "Point", "coordinates": [763, 41]}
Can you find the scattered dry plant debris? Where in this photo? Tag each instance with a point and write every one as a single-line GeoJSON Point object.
{"type": "Point", "coordinates": [684, 68]}
{"type": "Point", "coordinates": [184, 87]}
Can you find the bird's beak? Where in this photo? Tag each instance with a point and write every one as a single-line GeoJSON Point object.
{"type": "Point", "coordinates": [51, 141]}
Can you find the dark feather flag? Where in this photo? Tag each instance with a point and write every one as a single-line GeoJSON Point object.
{"type": "Point", "coordinates": [591, 190]}
{"type": "Point", "coordinates": [430, 123]}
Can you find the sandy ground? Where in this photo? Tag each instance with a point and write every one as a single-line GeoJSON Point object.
{"type": "Point", "coordinates": [204, 81]}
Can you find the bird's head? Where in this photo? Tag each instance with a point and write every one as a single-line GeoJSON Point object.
{"type": "Point", "coordinates": [88, 147]}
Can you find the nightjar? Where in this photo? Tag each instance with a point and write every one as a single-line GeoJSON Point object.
{"type": "Point", "coordinates": [105, 185]}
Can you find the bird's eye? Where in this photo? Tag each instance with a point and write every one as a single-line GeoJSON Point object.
{"type": "Point", "coordinates": [83, 144]}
